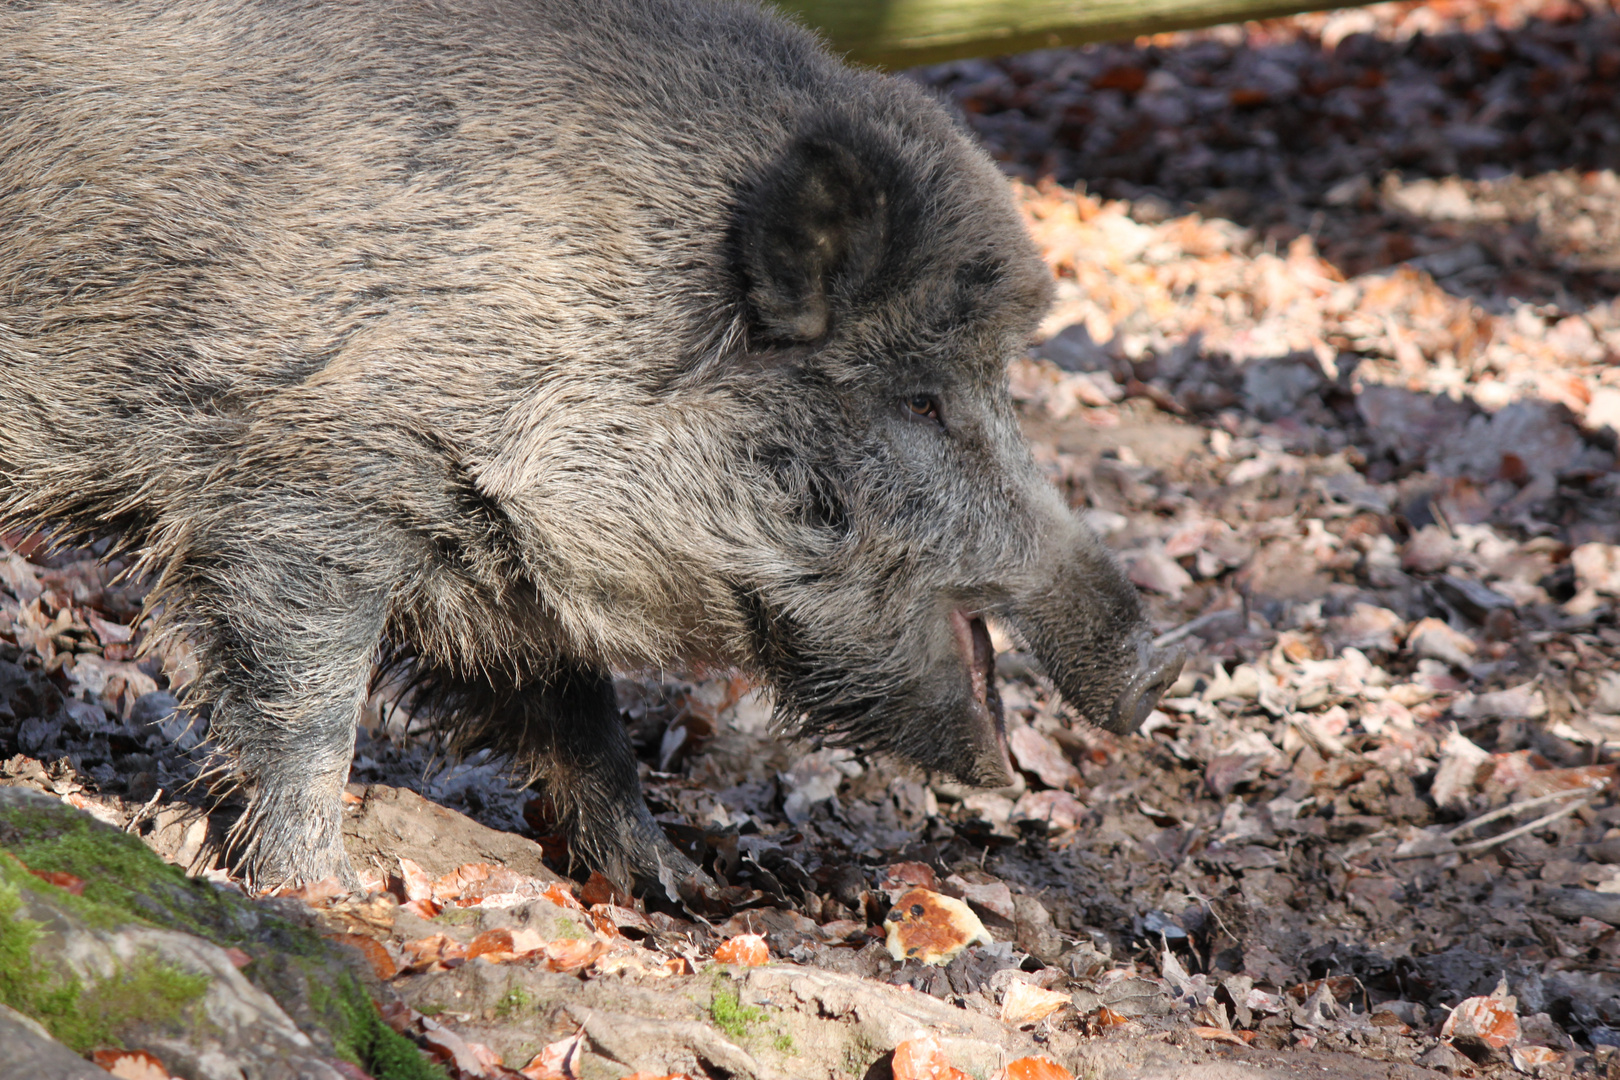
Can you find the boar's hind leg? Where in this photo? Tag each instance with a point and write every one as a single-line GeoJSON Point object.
{"type": "Point", "coordinates": [285, 641]}
{"type": "Point", "coordinates": [566, 728]}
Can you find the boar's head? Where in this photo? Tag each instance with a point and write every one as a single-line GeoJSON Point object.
{"type": "Point", "coordinates": [887, 282]}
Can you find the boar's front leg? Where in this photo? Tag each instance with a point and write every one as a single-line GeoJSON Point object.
{"type": "Point", "coordinates": [565, 728]}
{"type": "Point", "coordinates": [286, 632]}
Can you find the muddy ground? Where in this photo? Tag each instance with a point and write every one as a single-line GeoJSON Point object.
{"type": "Point", "coordinates": [1333, 366]}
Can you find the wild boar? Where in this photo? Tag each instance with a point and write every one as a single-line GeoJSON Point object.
{"type": "Point", "coordinates": [519, 341]}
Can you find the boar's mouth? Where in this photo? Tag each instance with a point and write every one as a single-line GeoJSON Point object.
{"type": "Point", "coordinates": [991, 765]}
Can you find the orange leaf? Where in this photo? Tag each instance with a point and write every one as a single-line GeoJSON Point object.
{"type": "Point", "coordinates": [559, 894]}
{"type": "Point", "coordinates": [131, 1064]}
{"type": "Point", "coordinates": [1215, 1034]}
{"type": "Point", "coordinates": [1107, 1018]}
{"type": "Point", "coordinates": [382, 964]}
{"type": "Point", "coordinates": [557, 1061]}
{"type": "Point", "coordinates": [1490, 1018]}
{"type": "Point", "coordinates": [599, 890]}
{"type": "Point", "coordinates": [565, 956]}
{"type": "Point", "coordinates": [433, 953]}
{"type": "Point", "coordinates": [424, 908]}
{"type": "Point", "coordinates": [920, 1058]}
{"type": "Point", "coordinates": [418, 886]}
{"type": "Point", "coordinates": [316, 893]}
{"type": "Point", "coordinates": [62, 880]}
{"type": "Point", "coordinates": [1034, 1068]}
{"type": "Point", "coordinates": [749, 950]}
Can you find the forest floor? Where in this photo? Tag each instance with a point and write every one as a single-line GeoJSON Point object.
{"type": "Point", "coordinates": [1335, 367]}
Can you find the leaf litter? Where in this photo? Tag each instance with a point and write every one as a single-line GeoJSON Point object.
{"type": "Point", "coordinates": [1333, 367]}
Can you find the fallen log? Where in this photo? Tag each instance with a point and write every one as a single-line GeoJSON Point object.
{"type": "Point", "coordinates": [905, 33]}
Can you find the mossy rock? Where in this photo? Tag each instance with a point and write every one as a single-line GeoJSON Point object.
{"type": "Point", "coordinates": [137, 959]}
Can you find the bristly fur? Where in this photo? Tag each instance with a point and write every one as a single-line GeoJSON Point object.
{"type": "Point", "coordinates": [521, 340]}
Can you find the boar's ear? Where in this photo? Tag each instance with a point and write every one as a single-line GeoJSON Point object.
{"type": "Point", "coordinates": [814, 229]}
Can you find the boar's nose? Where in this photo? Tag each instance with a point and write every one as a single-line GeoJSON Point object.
{"type": "Point", "coordinates": [1156, 672]}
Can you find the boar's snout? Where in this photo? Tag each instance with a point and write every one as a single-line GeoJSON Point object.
{"type": "Point", "coordinates": [1157, 670]}
{"type": "Point", "coordinates": [1086, 624]}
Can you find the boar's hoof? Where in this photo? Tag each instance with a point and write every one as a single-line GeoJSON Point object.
{"type": "Point", "coordinates": [270, 850]}
{"type": "Point", "coordinates": [1157, 672]}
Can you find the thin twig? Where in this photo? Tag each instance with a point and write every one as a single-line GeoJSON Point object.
{"type": "Point", "coordinates": [1514, 809]}
{"type": "Point", "coordinates": [1188, 629]}
{"type": "Point", "coordinates": [140, 815]}
{"type": "Point", "coordinates": [1511, 834]}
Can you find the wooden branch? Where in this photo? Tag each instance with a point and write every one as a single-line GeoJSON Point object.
{"type": "Point", "coordinates": [904, 33]}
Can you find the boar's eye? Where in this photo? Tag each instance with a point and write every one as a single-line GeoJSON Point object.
{"type": "Point", "coordinates": [924, 407]}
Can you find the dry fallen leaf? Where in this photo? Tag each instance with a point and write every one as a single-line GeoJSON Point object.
{"type": "Point", "coordinates": [424, 908]}
{"type": "Point", "coordinates": [749, 950]}
{"type": "Point", "coordinates": [1026, 1003]}
{"type": "Point", "coordinates": [932, 928]}
{"type": "Point", "coordinates": [436, 952]}
{"type": "Point", "coordinates": [1526, 1058]}
{"type": "Point", "coordinates": [569, 955]}
{"type": "Point", "coordinates": [558, 1060]}
{"type": "Point", "coordinates": [920, 1058]}
{"type": "Point", "coordinates": [559, 894]}
{"type": "Point", "coordinates": [382, 964]}
{"type": "Point", "coordinates": [500, 946]}
{"type": "Point", "coordinates": [1493, 1019]}
{"type": "Point", "coordinates": [1215, 1034]}
{"type": "Point", "coordinates": [62, 880]}
{"type": "Point", "coordinates": [1035, 1068]}
{"type": "Point", "coordinates": [1106, 1018]}
{"type": "Point", "coordinates": [418, 886]}
{"type": "Point", "coordinates": [315, 893]}
{"type": "Point", "coordinates": [131, 1064]}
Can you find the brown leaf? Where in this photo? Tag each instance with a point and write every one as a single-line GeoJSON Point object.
{"type": "Point", "coordinates": [901, 876]}
{"type": "Point", "coordinates": [418, 886]}
{"type": "Point", "coordinates": [436, 952]}
{"type": "Point", "coordinates": [749, 950]}
{"type": "Point", "coordinates": [599, 890]}
{"type": "Point", "coordinates": [382, 964]}
{"type": "Point", "coordinates": [62, 880]}
{"type": "Point", "coordinates": [559, 894]}
{"type": "Point", "coordinates": [1037, 754]}
{"type": "Point", "coordinates": [1036, 1068]}
{"type": "Point", "coordinates": [1493, 1019]}
{"type": "Point", "coordinates": [920, 1058]}
{"type": "Point", "coordinates": [558, 1060]}
{"type": "Point", "coordinates": [131, 1064]}
{"type": "Point", "coordinates": [1026, 1003]}
{"type": "Point", "coordinates": [315, 893]}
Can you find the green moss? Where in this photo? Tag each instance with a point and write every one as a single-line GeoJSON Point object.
{"type": "Point", "coordinates": [568, 929]}
{"type": "Point", "coordinates": [783, 1043]}
{"type": "Point", "coordinates": [25, 984]}
{"type": "Point", "coordinates": [125, 882]}
{"type": "Point", "coordinates": [515, 1000]}
{"type": "Point", "coordinates": [728, 1012]}
{"type": "Point", "coordinates": [146, 992]}
{"type": "Point", "coordinates": [456, 916]}
{"type": "Point", "coordinates": [362, 1038]}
